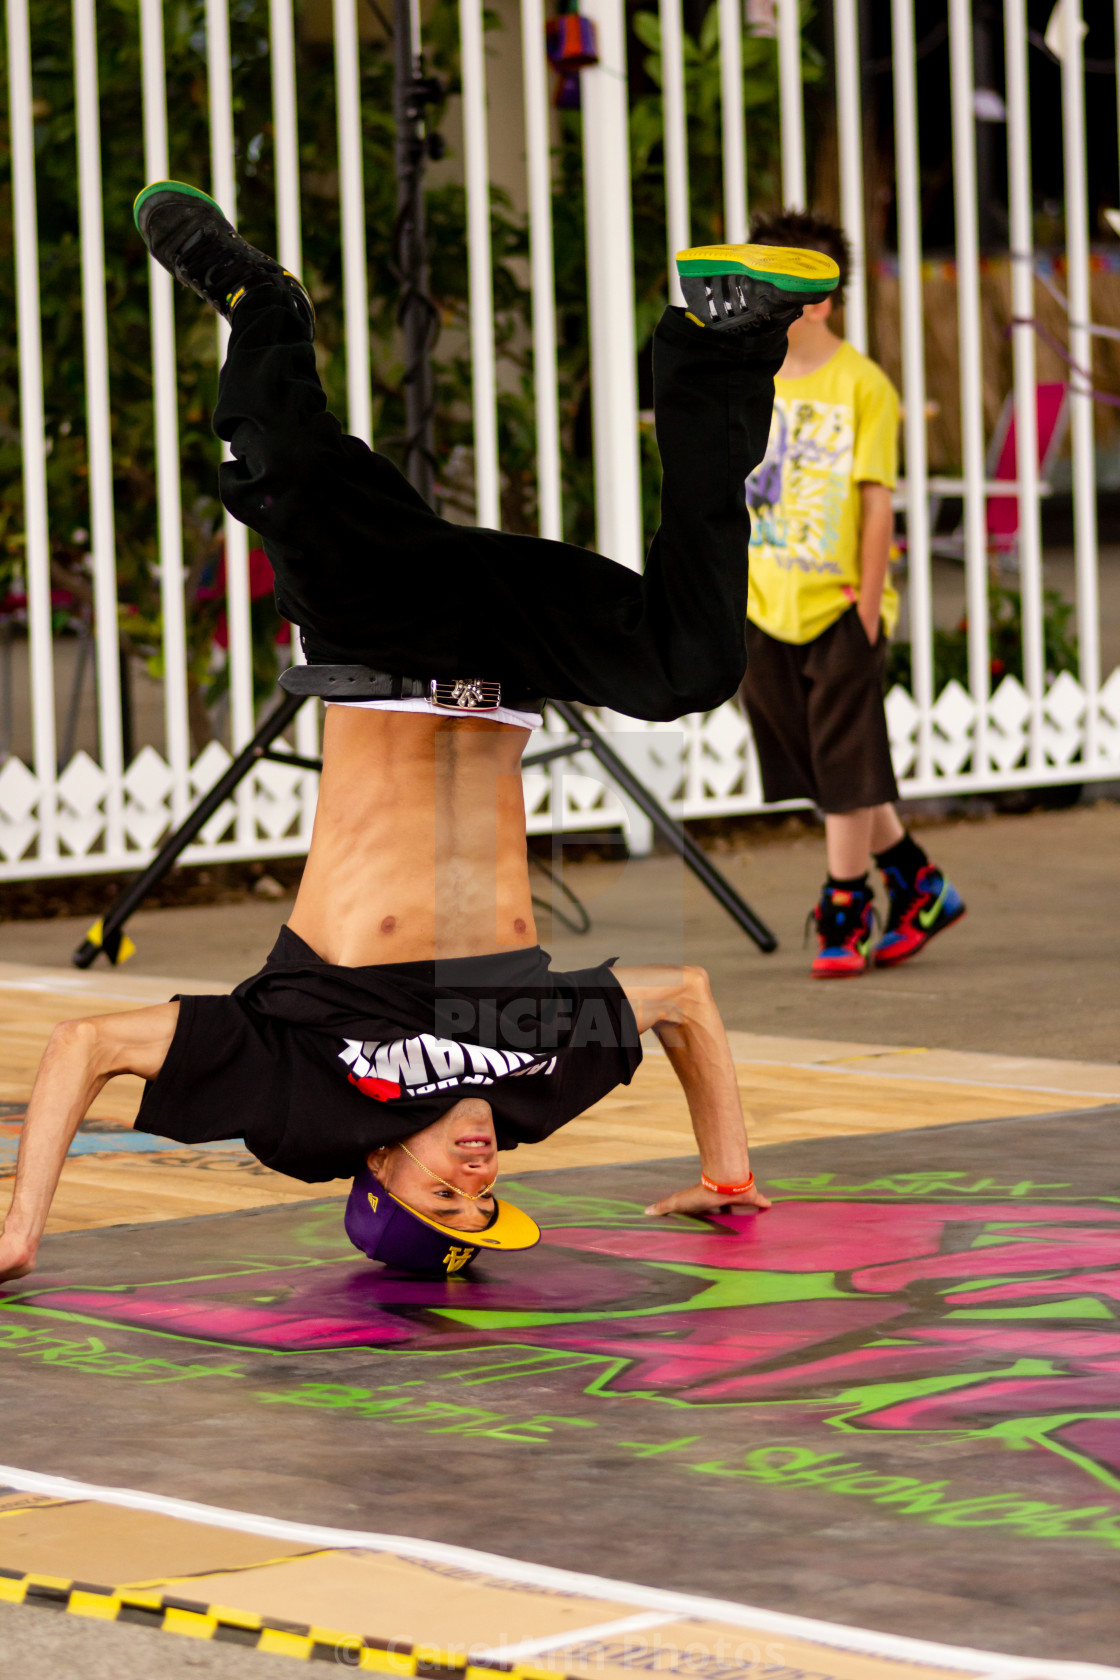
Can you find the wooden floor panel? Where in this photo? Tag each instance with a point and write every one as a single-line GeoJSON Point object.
{"type": "Point", "coordinates": [791, 1089]}
{"type": "Point", "coordinates": [649, 1118]}
{"type": "Point", "coordinates": [380, 1608]}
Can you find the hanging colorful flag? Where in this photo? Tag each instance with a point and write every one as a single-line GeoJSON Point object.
{"type": "Point", "coordinates": [572, 45]}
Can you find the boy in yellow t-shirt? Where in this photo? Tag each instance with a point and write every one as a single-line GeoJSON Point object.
{"type": "Point", "coordinates": [819, 609]}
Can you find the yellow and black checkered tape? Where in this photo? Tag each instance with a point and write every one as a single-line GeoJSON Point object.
{"type": "Point", "coordinates": [195, 1620]}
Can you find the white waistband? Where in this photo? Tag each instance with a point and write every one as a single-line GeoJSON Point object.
{"type": "Point", "coordinates": [501, 714]}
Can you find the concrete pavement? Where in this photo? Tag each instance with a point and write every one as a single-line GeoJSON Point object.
{"type": "Point", "coordinates": [1032, 970]}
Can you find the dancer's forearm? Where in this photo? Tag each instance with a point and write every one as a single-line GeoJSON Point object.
{"type": "Point", "coordinates": [679, 1006]}
{"type": "Point", "coordinates": [65, 1086]}
{"type": "Point", "coordinates": [696, 1044]}
{"type": "Point", "coordinates": [80, 1057]}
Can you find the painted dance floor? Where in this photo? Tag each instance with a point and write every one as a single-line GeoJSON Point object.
{"type": "Point", "coordinates": [891, 1404]}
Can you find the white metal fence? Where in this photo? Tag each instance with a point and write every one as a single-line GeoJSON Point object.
{"type": "Point", "coordinates": [104, 814]}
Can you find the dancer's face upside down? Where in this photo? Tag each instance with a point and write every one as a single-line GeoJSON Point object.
{"type": "Point", "coordinates": [447, 1171]}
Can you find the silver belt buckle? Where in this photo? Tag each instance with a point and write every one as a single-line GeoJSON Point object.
{"type": "Point", "coordinates": [466, 694]}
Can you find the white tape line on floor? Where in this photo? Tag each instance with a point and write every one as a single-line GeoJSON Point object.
{"type": "Point", "coordinates": [574, 1636]}
{"type": "Point", "coordinates": [866, 1640]}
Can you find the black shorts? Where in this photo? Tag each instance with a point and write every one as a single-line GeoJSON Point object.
{"type": "Point", "coordinates": [315, 1065]}
{"type": "Point", "coordinates": [817, 715]}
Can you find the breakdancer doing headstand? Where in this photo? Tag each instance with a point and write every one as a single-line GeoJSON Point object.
{"type": "Point", "coordinates": [407, 1025]}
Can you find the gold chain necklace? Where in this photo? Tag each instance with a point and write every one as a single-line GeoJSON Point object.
{"type": "Point", "coordinates": [464, 1193]}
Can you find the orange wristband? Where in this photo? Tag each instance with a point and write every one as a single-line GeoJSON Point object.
{"type": "Point", "coordinates": [726, 1189]}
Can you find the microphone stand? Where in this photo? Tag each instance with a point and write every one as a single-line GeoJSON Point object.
{"type": "Point", "coordinates": [417, 315]}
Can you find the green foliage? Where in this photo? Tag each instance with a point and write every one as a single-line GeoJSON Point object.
{"type": "Point", "coordinates": [1005, 616]}
{"type": "Point", "coordinates": [702, 85]}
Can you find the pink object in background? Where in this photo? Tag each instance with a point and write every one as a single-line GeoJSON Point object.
{"type": "Point", "coordinates": [261, 583]}
{"type": "Point", "coordinates": [1002, 516]}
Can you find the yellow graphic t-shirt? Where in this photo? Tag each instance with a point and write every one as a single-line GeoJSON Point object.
{"type": "Point", "coordinates": [832, 431]}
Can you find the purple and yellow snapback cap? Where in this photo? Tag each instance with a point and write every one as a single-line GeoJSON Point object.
{"type": "Point", "coordinates": [390, 1231]}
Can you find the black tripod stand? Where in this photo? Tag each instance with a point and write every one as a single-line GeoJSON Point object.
{"type": "Point", "coordinates": [108, 934]}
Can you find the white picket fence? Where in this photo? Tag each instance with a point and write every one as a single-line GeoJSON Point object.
{"type": "Point", "coordinates": [88, 816]}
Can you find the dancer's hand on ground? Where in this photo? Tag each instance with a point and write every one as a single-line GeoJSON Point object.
{"type": "Point", "coordinates": [698, 1200]}
{"type": "Point", "coordinates": [17, 1258]}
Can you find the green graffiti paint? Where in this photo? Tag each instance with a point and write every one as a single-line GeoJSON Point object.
{"type": "Point", "coordinates": [910, 1184]}
{"type": "Point", "coordinates": [933, 1502]}
{"type": "Point", "coordinates": [725, 1289]}
{"type": "Point", "coordinates": [736, 1378]}
{"type": "Point", "coordinates": [1080, 1306]}
{"type": "Point", "coordinates": [877, 1397]}
{"type": "Point", "coordinates": [434, 1417]}
{"type": "Point", "coordinates": [655, 1449]}
{"type": "Point", "coordinates": [92, 1355]}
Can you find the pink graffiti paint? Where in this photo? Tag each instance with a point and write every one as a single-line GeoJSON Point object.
{"type": "Point", "coordinates": [845, 1308]}
{"type": "Point", "coordinates": [798, 1237]}
{"type": "Point", "coordinates": [1104, 1286]}
{"type": "Point", "coordinates": [264, 1326]}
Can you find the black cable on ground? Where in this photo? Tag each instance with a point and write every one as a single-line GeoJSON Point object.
{"type": "Point", "coordinates": [584, 923]}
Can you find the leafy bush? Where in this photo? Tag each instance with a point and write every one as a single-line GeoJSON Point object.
{"type": "Point", "coordinates": [1005, 617]}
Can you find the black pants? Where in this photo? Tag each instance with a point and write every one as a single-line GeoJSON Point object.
{"type": "Point", "coordinates": [374, 577]}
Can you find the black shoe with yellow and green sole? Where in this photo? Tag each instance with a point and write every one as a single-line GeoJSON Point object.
{"type": "Point", "coordinates": [187, 234]}
{"type": "Point", "coordinates": [740, 287]}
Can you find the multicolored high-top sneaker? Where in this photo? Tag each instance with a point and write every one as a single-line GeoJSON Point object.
{"type": "Point", "coordinates": [736, 287]}
{"type": "Point", "coordinates": [919, 909]}
{"type": "Point", "coordinates": [845, 922]}
{"type": "Point", "coordinates": [187, 234]}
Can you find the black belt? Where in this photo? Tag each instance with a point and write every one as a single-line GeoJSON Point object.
{"type": "Point", "coordinates": [359, 682]}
